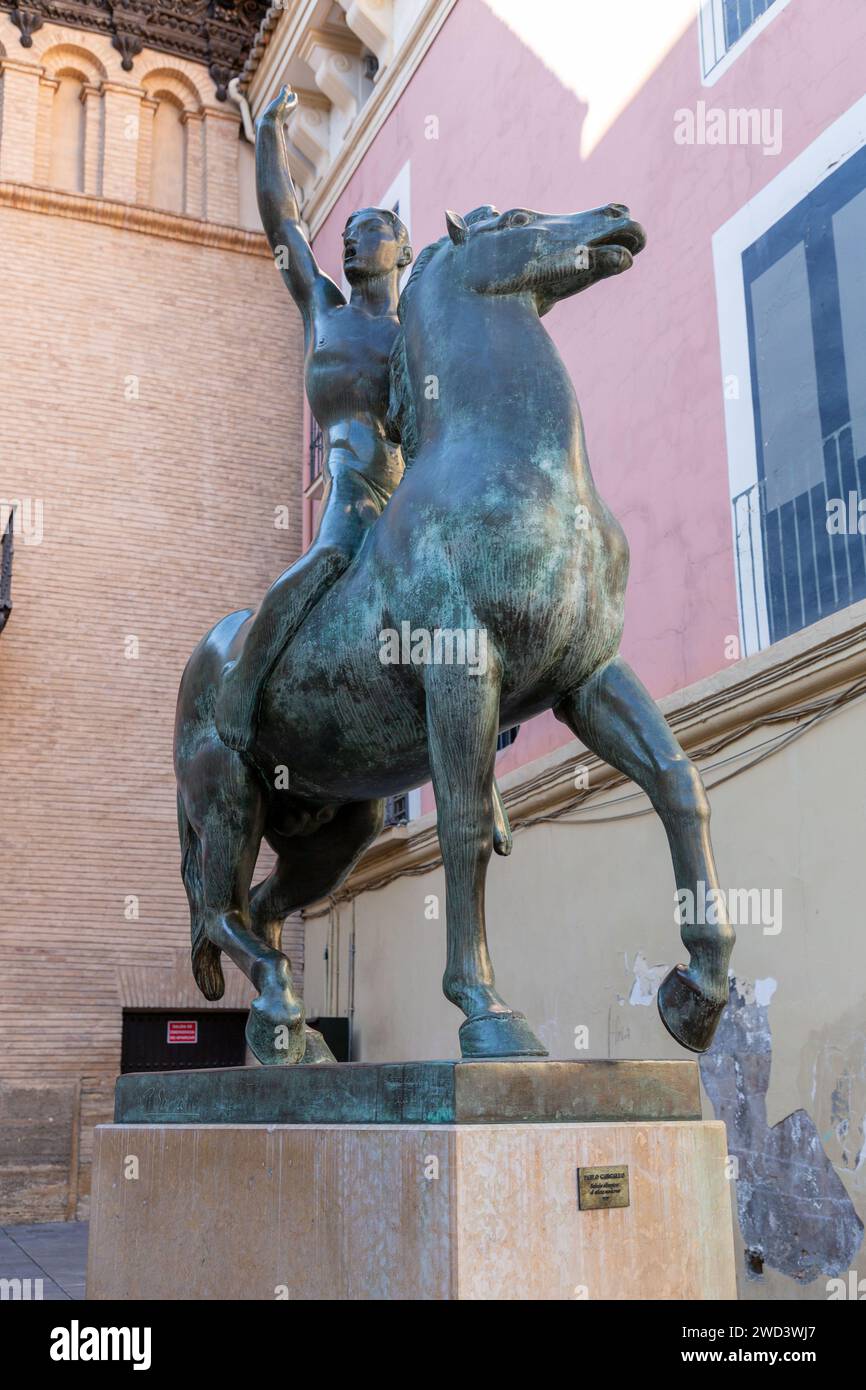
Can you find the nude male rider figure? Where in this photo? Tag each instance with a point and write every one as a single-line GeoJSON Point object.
{"type": "Point", "coordinates": [347, 347]}
{"type": "Point", "coordinates": [346, 374]}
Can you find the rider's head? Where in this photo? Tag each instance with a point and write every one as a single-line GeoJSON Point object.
{"type": "Point", "coordinates": [375, 243]}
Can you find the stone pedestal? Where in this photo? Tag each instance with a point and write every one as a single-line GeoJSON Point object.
{"type": "Point", "coordinates": [415, 1210]}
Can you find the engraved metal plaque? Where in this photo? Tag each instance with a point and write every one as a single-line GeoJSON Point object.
{"type": "Point", "coordinates": [602, 1187]}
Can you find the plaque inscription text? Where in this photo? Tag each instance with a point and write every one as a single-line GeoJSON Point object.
{"type": "Point", "coordinates": [602, 1187]}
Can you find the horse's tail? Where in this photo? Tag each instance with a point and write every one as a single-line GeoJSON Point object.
{"type": "Point", "coordinates": [206, 966]}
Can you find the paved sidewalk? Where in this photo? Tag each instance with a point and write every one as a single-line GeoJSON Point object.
{"type": "Point", "coordinates": [55, 1252]}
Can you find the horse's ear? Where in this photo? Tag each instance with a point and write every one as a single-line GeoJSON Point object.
{"type": "Point", "coordinates": [457, 228]}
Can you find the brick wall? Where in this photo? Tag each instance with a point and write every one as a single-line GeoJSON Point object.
{"type": "Point", "coordinates": [152, 407]}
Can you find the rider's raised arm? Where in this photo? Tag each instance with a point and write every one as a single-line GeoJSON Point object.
{"type": "Point", "coordinates": [278, 206]}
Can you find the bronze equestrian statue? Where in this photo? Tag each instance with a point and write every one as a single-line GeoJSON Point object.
{"type": "Point", "coordinates": [495, 528]}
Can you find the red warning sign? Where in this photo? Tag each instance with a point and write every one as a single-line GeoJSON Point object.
{"type": "Point", "coordinates": [182, 1030]}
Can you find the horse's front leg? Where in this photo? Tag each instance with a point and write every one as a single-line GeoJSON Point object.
{"type": "Point", "coordinates": [617, 718]}
{"type": "Point", "coordinates": [462, 722]}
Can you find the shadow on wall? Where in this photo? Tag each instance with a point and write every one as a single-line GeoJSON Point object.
{"type": "Point", "coordinates": [794, 1211]}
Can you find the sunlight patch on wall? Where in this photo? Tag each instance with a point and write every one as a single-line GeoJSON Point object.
{"type": "Point", "coordinates": [603, 53]}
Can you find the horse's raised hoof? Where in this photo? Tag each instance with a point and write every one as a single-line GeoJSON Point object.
{"type": "Point", "coordinates": [499, 1035]}
{"type": "Point", "coordinates": [690, 1016]}
{"type": "Point", "coordinates": [275, 1039]}
{"type": "Point", "coordinates": [317, 1049]}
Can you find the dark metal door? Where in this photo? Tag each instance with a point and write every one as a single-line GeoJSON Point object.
{"type": "Point", "coordinates": [163, 1040]}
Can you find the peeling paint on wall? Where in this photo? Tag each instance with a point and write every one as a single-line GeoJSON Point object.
{"type": "Point", "coordinates": [647, 979]}
{"type": "Point", "coordinates": [834, 1071]}
{"type": "Point", "coordinates": [794, 1211]}
{"type": "Point", "coordinates": [764, 990]}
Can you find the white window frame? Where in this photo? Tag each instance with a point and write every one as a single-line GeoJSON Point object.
{"type": "Point", "coordinates": [822, 158]}
{"type": "Point", "coordinates": [400, 191]}
{"type": "Point", "coordinates": [711, 21]}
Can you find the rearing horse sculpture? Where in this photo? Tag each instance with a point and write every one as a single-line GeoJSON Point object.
{"type": "Point", "coordinates": [496, 527]}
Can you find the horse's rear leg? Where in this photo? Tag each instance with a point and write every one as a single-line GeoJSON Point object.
{"type": "Point", "coordinates": [308, 868]}
{"type": "Point", "coordinates": [617, 718]}
{"type": "Point", "coordinates": [462, 722]}
{"type": "Point", "coordinates": [230, 806]}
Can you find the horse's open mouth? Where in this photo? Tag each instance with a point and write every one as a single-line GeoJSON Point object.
{"type": "Point", "coordinates": [631, 238]}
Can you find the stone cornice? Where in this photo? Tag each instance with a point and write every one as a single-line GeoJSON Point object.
{"type": "Point", "coordinates": [281, 39]}
{"type": "Point", "coordinates": [269, 21]}
{"type": "Point", "coordinates": [330, 37]}
{"type": "Point", "coordinates": [216, 33]}
{"type": "Point", "coordinates": [732, 703]}
{"type": "Point", "coordinates": [132, 217]}
{"type": "Point", "coordinates": [20, 65]}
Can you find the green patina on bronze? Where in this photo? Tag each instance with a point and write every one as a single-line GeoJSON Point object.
{"type": "Point", "coordinates": [495, 529]}
{"type": "Point", "coordinates": [433, 1093]}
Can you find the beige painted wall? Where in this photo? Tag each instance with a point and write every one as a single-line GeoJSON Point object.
{"type": "Point", "coordinates": [578, 913]}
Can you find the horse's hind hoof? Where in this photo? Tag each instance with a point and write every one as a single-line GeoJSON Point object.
{"type": "Point", "coordinates": [499, 1035]}
{"type": "Point", "coordinates": [317, 1049]}
{"type": "Point", "coordinates": [690, 1016]}
{"type": "Point", "coordinates": [273, 1040]}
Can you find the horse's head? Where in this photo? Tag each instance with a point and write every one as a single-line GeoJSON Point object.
{"type": "Point", "coordinates": [550, 255]}
{"type": "Point", "coordinates": [540, 257]}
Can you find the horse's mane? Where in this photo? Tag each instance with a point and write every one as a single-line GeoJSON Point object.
{"type": "Point", "coordinates": [401, 421]}
{"type": "Point", "coordinates": [401, 424]}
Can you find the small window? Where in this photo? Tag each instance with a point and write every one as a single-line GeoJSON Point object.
{"type": "Point", "coordinates": [397, 810]}
{"type": "Point", "coordinates": [727, 27]}
{"type": "Point", "coordinates": [507, 737]}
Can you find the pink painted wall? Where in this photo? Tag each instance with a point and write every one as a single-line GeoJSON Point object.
{"type": "Point", "coordinates": [643, 350]}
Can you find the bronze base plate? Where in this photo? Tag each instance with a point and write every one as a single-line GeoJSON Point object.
{"type": "Point", "coordinates": [440, 1092]}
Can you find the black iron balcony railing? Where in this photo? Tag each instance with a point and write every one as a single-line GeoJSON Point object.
{"type": "Point", "coordinates": [799, 561]}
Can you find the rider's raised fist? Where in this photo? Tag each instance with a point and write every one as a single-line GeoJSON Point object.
{"type": "Point", "coordinates": [282, 105]}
